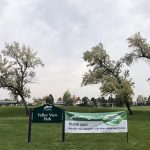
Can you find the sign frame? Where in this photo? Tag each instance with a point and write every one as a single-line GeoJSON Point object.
{"type": "Point", "coordinates": [52, 114]}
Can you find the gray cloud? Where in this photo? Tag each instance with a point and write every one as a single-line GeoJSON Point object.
{"type": "Point", "coordinates": [62, 30]}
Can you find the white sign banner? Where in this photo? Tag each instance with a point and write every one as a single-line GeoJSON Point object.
{"type": "Point", "coordinates": [112, 122]}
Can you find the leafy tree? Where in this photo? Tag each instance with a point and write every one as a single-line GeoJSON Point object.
{"type": "Point", "coordinates": [49, 99]}
{"type": "Point", "coordinates": [141, 100]}
{"type": "Point", "coordinates": [17, 70]}
{"type": "Point", "coordinates": [101, 101]}
{"type": "Point", "coordinates": [148, 100]}
{"type": "Point", "coordinates": [94, 101]}
{"type": "Point", "coordinates": [110, 99]}
{"type": "Point", "coordinates": [118, 102]}
{"type": "Point", "coordinates": [141, 50]}
{"type": "Point", "coordinates": [108, 85]}
{"type": "Point", "coordinates": [109, 73]}
{"type": "Point", "coordinates": [85, 101]}
{"type": "Point", "coordinates": [67, 98]}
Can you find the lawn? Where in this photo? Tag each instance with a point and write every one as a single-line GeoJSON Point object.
{"type": "Point", "coordinates": [14, 128]}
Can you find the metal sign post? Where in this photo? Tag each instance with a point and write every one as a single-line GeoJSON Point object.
{"type": "Point", "coordinates": [63, 126]}
{"type": "Point", "coordinates": [127, 125]}
{"type": "Point", "coordinates": [127, 137]}
{"type": "Point", "coordinates": [30, 124]}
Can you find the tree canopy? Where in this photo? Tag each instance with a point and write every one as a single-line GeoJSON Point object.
{"type": "Point", "coordinates": [17, 69]}
{"type": "Point", "coordinates": [140, 49]}
{"type": "Point", "coordinates": [109, 74]}
{"type": "Point", "coordinates": [49, 99]}
{"type": "Point", "coordinates": [67, 98]}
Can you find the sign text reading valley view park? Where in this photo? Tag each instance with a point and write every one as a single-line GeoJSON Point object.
{"type": "Point", "coordinates": [44, 114]}
{"type": "Point", "coordinates": [47, 114]}
{"type": "Point", "coordinates": [110, 122]}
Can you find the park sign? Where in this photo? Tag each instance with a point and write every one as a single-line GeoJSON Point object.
{"type": "Point", "coordinates": [110, 122]}
{"type": "Point", "coordinates": [47, 114]}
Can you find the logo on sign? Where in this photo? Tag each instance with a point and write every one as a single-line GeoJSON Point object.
{"type": "Point", "coordinates": [112, 119]}
{"type": "Point", "coordinates": [47, 108]}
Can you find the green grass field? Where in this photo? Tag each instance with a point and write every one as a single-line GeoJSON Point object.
{"type": "Point", "coordinates": [14, 130]}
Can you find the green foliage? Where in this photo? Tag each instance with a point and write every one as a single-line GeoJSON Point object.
{"type": "Point", "coordinates": [148, 100]}
{"type": "Point", "coordinates": [109, 85]}
{"type": "Point", "coordinates": [17, 69]}
{"type": "Point", "coordinates": [67, 98]}
{"type": "Point", "coordinates": [46, 99]}
{"type": "Point", "coordinates": [94, 101]}
{"type": "Point", "coordinates": [109, 73]}
{"type": "Point", "coordinates": [49, 99]}
{"type": "Point", "coordinates": [141, 49]}
{"type": "Point", "coordinates": [125, 90]}
{"type": "Point", "coordinates": [85, 101]}
{"type": "Point", "coordinates": [100, 64]}
{"type": "Point", "coordinates": [141, 100]}
{"type": "Point", "coordinates": [101, 99]}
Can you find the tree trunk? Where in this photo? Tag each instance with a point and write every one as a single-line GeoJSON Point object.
{"type": "Point", "coordinates": [25, 105]}
{"type": "Point", "coordinates": [128, 106]}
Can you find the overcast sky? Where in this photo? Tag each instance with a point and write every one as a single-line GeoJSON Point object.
{"type": "Point", "coordinates": [61, 30]}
